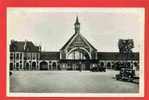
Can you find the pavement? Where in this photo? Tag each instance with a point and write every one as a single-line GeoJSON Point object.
{"type": "Point", "coordinates": [69, 82]}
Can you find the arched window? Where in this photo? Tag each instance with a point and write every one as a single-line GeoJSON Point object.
{"type": "Point", "coordinates": [102, 64]}
{"type": "Point", "coordinates": [27, 66]}
{"type": "Point", "coordinates": [33, 65]}
{"type": "Point", "coordinates": [108, 65]}
{"type": "Point", "coordinates": [78, 54]}
{"type": "Point", "coordinates": [54, 65]}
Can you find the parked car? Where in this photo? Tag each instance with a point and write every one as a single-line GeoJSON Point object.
{"type": "Point", "coordinates": [97, 68]}
{"type": "Point", "coordinates": [102, 69]}
{"type": "Point", "coordinates": [126, 74]}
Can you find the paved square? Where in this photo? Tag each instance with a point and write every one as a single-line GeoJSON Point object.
{"type": "Point", "coordinates": [69, 82]}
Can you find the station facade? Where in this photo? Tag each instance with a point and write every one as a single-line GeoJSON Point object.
{"type": "Point", "coordinates": [76, 54]}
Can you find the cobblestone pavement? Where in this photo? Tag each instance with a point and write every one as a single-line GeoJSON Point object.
{"type": "Point", "coordinates": [69, 82]}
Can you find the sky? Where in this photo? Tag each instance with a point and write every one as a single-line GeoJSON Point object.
{"type": "Point", "coordinates": [52, 27]}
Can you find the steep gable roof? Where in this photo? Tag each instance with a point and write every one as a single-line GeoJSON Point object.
{"type": "Point", "coordinates": [74, 36]}
{"type": "Point", "coordinates": [88, 42]}
{"type": "Point", "coordinates": [68, 41]}
{"type": "Point", "coordinates": [18, 46]}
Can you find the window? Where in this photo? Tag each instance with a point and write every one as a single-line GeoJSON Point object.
{"type": "Point", "coordinates": [17, 55]}
{"type": "Point", "coordinates": [17, 66]}
{"type": "Point", "coordinates": [11, 56]}
{"type": "Point", "coordinates": [21, 65]}
{"type": "Point", "coordinates": [20, 55]}
{"type": "Point", "coordinates": [28, 55]}
{"type": "Point", "coordinates": [37, 56]}
{"type": "Point", "coordinates": [11, 66]}
{"type": "Point", "coordinates": [34, 56]}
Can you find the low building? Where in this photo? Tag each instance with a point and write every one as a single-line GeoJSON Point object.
{"type": "Point", "coordinates": [24, 55]}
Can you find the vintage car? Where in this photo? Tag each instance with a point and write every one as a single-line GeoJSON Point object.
{"type": "Point", "coordinates": [98, 68]}
{"type": "Point", "coordinates": [126, 74]}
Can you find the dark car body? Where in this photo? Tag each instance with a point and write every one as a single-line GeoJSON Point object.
{"type": "Point", "coordinates": [126, 74]}
{"type": "Point", "coordinates": [98, 68]}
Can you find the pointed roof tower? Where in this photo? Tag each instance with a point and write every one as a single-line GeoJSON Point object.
{"type": "Point", "coordinates": [77, 20]}
{"type": "Point", "coordinates": [77, 25]}
{"type": "Point", "coordinates": [76, 36]}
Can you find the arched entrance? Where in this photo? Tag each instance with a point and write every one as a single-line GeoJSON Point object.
{"type": "Point", "coordinates": [78, 59]}
{"type": "Point", "coordinates": [26, 66]}
{"type": "Point", "coordinates": [78, 54]}
{"type": "Point", "coordinates": [44, 65]}
{"type": "Point", "coordinates": [54, 65]}
{"type": "Point", "coordinates": [102, 64]}
{"type": "Point", "coordinates": [33, 65]}
{"type": "Point", "coordinates": [109, 65]}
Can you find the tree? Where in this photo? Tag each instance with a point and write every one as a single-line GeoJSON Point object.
{"type": "Point", "coordinates": [125, 45]}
